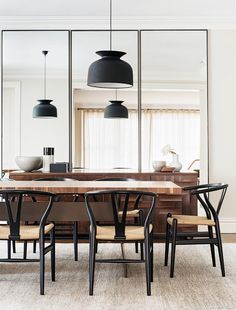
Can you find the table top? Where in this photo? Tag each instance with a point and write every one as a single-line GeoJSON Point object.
{"type": "Point", "coordinates": [76, 187]}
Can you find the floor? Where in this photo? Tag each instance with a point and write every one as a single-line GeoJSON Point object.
{"type": "Point", "coordinates": [229, 238]}
{"type": "Point", "coordinates": [196, 285]}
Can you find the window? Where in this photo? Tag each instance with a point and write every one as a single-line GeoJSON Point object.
{"type": "Point", "coordinates": [105, 144]}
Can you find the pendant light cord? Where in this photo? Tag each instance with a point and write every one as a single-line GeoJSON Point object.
{"type": "Point", "coordinates": [110, 25]}
{"type": "Point", "coordinates": [45, 76]}
{"type": "Point", "coordinates": [45, 86]}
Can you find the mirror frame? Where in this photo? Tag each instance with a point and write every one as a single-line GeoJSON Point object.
{"type": "Point", "coordinates": [139, 84]}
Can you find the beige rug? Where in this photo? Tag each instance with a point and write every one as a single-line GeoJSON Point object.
{"type": "Point", "coordinates": [197, 285]}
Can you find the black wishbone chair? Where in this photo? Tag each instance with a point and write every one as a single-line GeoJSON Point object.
{"type": "Point", "coordinates": [211, 220]}
{"type": "Point", "coordinates": [133, 213]}
{"type": "Point", "coordinates": [14, 231]}
{"type": "Point", "coordinates": [73, 225]}
{"type": "Point", "coordinates": [119, 231]}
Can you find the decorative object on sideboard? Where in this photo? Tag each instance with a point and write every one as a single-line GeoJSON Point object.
{"type": "Point", "coordinates": [59, 167]}
{"type": "Point", "coordinates": [158, 165]}
{"type": "Point", "coordinates": [193, 164]}
{"type": "Point", "coordinates": [48, 158]}
{"type": "Point", "coordinates": [168, 169]}
{"type": "Point", "coordinates": [29, 163]}
{"type": "Point", "coordinates": [110, 71]}
{"type": "Point", "coordinates": [175, 163]}
{"type": "Point", "coordinates": [44, 109]}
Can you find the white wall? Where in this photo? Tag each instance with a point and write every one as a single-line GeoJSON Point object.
{"type": "Point", "coordinates": [37, 133]}
{"type": "Point", "coordinates": [222, 90]}
{"type": "Point", "coordinates": [222, 118]}
{"type": "Point", "coordinates": [47, 132]}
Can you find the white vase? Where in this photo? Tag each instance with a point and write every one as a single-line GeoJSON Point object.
{"type": "Point", "coordinates": [175, 162]}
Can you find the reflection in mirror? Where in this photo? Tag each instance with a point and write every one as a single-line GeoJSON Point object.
{"type": "Point", "coordinates": [98, 142]}
{"type": "Point", "coordinates": [23, 66]}
{"type": "Point", "coordinates": [174, 98]}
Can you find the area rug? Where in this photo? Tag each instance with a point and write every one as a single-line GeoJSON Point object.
{"type": "Point", "coordinates": [196, 285]}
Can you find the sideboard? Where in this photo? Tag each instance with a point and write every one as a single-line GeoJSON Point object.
{"type": "Point", "coordinates": [176, 204]}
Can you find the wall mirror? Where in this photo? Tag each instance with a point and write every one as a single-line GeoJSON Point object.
{"type": "Point", "coordinates": [100, 143]}
{"type": "Point", "coordinates": [174, 98]}
{"type": "Point", "coordinates": [22, 74]}
{"type": "Point", "coordinates": [167, 107]}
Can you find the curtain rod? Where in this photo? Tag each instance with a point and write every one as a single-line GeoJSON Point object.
{"type": "Point", "coordinates": [143, 110]}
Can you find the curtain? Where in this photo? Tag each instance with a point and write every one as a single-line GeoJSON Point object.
{"type": "Point", "coordinates": [112, 143]}
{"type": "Point", "coordinates": [178, 128]}
{"type": "Point", "coordinates": [109, 143]}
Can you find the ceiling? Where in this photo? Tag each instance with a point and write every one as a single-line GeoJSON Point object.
{"type": "Point", "coordinates": [166, 55]}
{"type": "Point", "coordinates": [121, 8]}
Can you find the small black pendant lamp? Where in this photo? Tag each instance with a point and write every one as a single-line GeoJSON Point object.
{"type": "Point", "coordinates": [116, 109]}
{"type": "Point", "coordinates": [110, 71]}
{"type": "Point", "coordinates": [44, 109]}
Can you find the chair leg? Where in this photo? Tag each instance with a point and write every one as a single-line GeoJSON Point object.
{"type": "Point", "coordinates": [220, 249]}
{"type": "Point", "coordinates": [42, 264]}
{"type": "Point", "coordinates": [141, 251]}
{"type": "Point", "coordinates": [92, 254]}
{"type": "Point", "coordinates": [136, 222]}
{"type": "Point", "coordinates": [173, 247]}
{"type": "Point", "coordinates": [9, 249]}
{"type": "Point", "coordinates": [151, 257]}
{"type": "Point", "coordinates": [34, 246]}
{"type": "Point", "coordinates": [167, 240]}
{"type": "Point", "coordinates": [96, 247]}
{"type": "Point", "coordinates": [14, 246]}
{"type": "Point", "coordinates": [212, 247]}
{"type": "Point", "coordinates": [147, 264]}
{"type": "Point", "coordinates": [25, 250]}
{"type": "Point", "coordinates": [75, 240]}
{"type": "Point", "coordinates": [53, 253]}
{"type": "Point", "coordinates": [123, 257]}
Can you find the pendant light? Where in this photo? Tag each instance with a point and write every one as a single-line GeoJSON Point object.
{"type": "Point", "coordinates": [116, 109]}
{"type": "Point", "coordinates": [44, 109]}
{"type": "Point", "coordinates": [110, 71]}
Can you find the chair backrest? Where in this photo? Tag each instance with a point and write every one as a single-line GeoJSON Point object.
{"type": "Point", "coordinates": [115, 179]}
{"type": "Point", "coordinates": [119, 202]}
{"type": "Point", "coordinates": [14, 207]}
{"type": "Point", "coordinates": [202, 193]}
{"type": "Point", "coordinates": [54, 179]}
{"type": "Point", "coordinates": [51, 179]}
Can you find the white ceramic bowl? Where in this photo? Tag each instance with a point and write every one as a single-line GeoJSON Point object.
{"type": "Point", "coordinates": [158, 164]}
{"type": "Point", "coordinates": [29, 163]}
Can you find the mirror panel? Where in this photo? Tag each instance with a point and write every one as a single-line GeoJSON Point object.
{"type": "Point", "coordinates": [100, 143]}
{"type": "Point", "coordinates": [174, 97]}
{"type": "Point", "coordinates": [23, 65]}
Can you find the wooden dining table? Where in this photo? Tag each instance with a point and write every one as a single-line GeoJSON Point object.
{"type": "Point", "coordinates": [68, 211]}
{"type": "Point", "coordinates": [81, 187]}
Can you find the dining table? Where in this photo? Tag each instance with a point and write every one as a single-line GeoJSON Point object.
{"type": "Point", "coordinates": [69, 211]}
{"type": "Point", "coordinates": [81, 187]}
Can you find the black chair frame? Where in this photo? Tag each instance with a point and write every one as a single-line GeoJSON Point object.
{"type": "Point", "coordinates": [57, 236]}
{"type": "Point", "coordinates": [120, 227]}
{"type": "Point", "coordinates": [137, 221]}
{"type": "Point", "coordinates": [14, 226]}
{"type": "Point", "coordinates": [199, 237]}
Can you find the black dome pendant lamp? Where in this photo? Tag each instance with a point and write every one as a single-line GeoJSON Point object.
{"type": "Point", "coordinates": [116, 109]}
{"type": "Point", "coordinates": [44, 109]}
{"type": "Point", "coordinates": [110, 71]}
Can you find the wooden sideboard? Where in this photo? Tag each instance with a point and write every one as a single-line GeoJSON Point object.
{"type": "Point", "coordinates": [176, 204]}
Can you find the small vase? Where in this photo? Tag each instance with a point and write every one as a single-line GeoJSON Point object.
{"type": "Point", "coordinates": [175, 162]}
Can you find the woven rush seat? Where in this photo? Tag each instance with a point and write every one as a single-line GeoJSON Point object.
{"type": "Point", "coordinates": [131, 213]}
{"type": "Point", "coordinates": [27, 232]}
{"type": "Point", "coordinates": [131, 232]}
{"type": "Point", "coordinates": [191, 220]}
